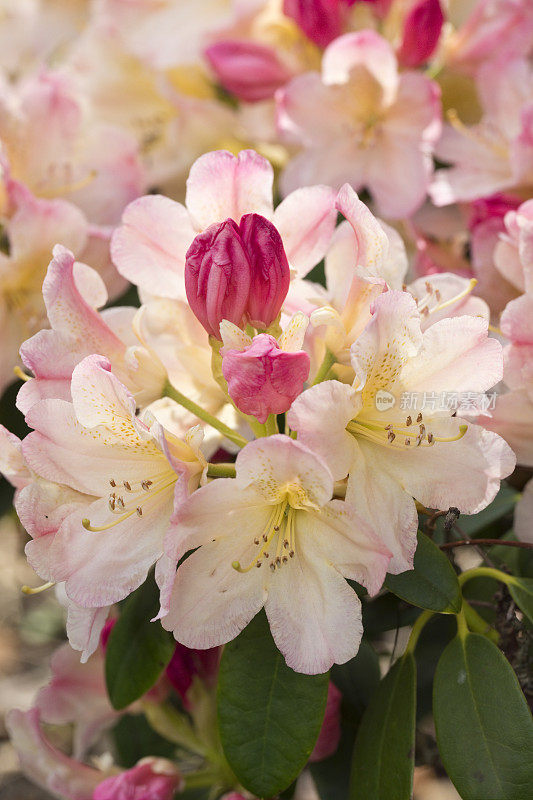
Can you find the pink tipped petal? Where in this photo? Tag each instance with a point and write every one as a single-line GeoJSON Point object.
{"type": "Point", "coordinates": [362, 49]}
{"type": "Point", "coordinates": [44, 764]}
{"type": "Point", "coordinates": [306, 222]}
{"type": "Point", "coordinates": [249, 70]}
{"type": "Point", "coordinates": [85, 627]}
{"type": "Point", "coordinates": [150, 245]}
{"type": "Point", "coordinates": [262, 379]}
{"type": "Point", "coordinates": [12, 464]}
{"type": "Point", "coordinates": [511, 419]}
{"type": "Point", "coordinates": [371, 241]}
{"type": "Point", "coordinates": [221, 185]}
{"type": "Point", "coordinates": [421, 33]}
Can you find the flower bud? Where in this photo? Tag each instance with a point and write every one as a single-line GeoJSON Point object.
{"type": "Point", "coordinates": [270, 273]}
{"type": "Point", "coordinates": [262, 378]}
{"type": "Point", "coordinates": [185, 664]}
{"type": "Point", "coordinates": [421, 33]}
{"type": "Point", "coordinates": [250, 71]}
{"type": "Point", "coordinates": [237, 272]}
{"type": "Point", "coordinates": [150, 779]}
{"type": "Point", "coordinates": [330, 732]}
{"type": "Point", "coordinates": [320, 20]}
{"type": "Point", "coordinates": [217, 276]}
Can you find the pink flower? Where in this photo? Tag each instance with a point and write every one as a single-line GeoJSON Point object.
{"type": "Point", "coordinates": [421, 32]}
{"type": "Point", "coordinates": [150, 779]}
{"type": "Point", "coordinates": [249, 70]}
{"type": "Point", "coordinates": [496, 154]}
{"type": "Point", "coordinates": [264, 377]}
{"type": "Point", "coordinates": [237, 272]}
{"type": "Point", "coordinates": [276, 514]}
{"type": "Point", "coordinates": [362, 122]}
{"type": "Point", "coordinates": [150, 246]}
{"type": "Point", "coordinates": [393, 454]}
{"type": "Point", "coordinates": [513, 255]}
{"type": "Point", "coordinates": [186, 664]}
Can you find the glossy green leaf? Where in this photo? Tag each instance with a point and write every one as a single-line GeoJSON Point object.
{"type": "Point", "coordinates": [432, 584]}
{"type": "Point", "coordinates": [138, 650]}
{"type": "Point", "coordinates": [383, 758]}
{"type": "Point", "coordinates": [484, 727]}
{"type": "Point", "coordinates": [486, 522]}
{"type": "Point", "coordinates": [358, 678]}
{"type": "Point", "coordinates": [522, 593]}
{"type": "Point", "coordinates": [269, 716]}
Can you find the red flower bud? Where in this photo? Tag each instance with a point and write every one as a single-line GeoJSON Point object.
{"type": "Point", "coordinates": [237, 272]}
{"type": "Point", "coordinates": [320, 20]}
{"type": "Point", "coordinates": [421, 33]}
{"type": "Point", "coordinates": [250, 71]}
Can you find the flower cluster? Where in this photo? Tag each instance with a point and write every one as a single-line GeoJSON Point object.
{"type": "Point", "coordinates": [240, 429]}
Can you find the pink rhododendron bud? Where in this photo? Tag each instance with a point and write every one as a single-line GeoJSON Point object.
{"type": "Point", "coordinates": [421, 32]}
{"type": "Point", "coordinates": [320, 20]}
{"type": "Point", "coordinates": [217, 276]}
{"type": "Point", "coordinates": [238, 273]}
{"type": "Point", "coordinates": [262, 378]}
{"type": "Point", "coordinates": [185, 664]}
{"type": "Point", "coordinates": [270, 273]}
{"type": "Point", "coordinates": [330, 732]}
{"type": "Point", "coordinates": [249, 70]}
{"type": "Point", "coordinates": [150, 779]}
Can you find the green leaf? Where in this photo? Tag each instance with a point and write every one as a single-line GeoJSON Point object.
{"type": "Point", "coordinates": [138, 650]}
{"type": "Point", "coordinates": [484, 727]}
{"type": "Point", "coordinates": [488, 521]}
{"type": "Point", "coordinates": [522, 593]}
{"type": "Point", "coordinates": [383, 758]}
{"type": "Point", "coordinates": [269, 716]}
{"type": "Point", "coordinates": [358, 678]}
{"type": "Point", "coordinates": [134, 738]}
{"type": "Point", "coordinates": [432, 584]}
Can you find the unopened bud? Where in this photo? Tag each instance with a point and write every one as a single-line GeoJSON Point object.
{"type": "Point", "coordinates": [421, 33]}
{"type": "Point", "coordinates": [237, 272]}
{"type": "Point", "coordinates": [320, 20]}
{"type": "Point", "coordinates": [150, 779]}
{"type": "Point", "coordinates": [250, 71]}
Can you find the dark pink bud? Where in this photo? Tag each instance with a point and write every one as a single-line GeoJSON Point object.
{"type": "Point", "coordinates": [237, 272]}
{"type": "Point", "coordinates": [421, 33]}
{"type": "Point", "coordinates": [320, 20]}
{"type": "Point", "coordinates": [185, 664]}
{"type": "Point", "coordinates": [330, 732]}
{"type": "Point", "coordinates": [269, 274]}
{"type": "Point", "coordinates": [150, 779]}
{"type": "Point", "coordinates": [250, 71]}
{"type": "Point", "coordinates": [493, 206]}
{"type": "Point", "coordinates": [263, 379]}
{"type": "Point", "coordinates": [217, 276]}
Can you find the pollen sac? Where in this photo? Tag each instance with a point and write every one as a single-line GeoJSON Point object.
{"type": "Point", "coordinates": [238, 273]}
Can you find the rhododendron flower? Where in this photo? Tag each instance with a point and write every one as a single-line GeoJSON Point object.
{"type": "Point", "coordinates": [265, 376]}
{"type": "Point", "coordinates": [76, 694]}
{"type": "Point", "coordinates": [72, 292]}
{"type": "Point", "coordinates": [57, 148]}
{"type": "Point", "coordinates": [493, 29]}
{"type": "Point", "coordinates": [393, 452]}
{"type": "Point", "coordinates": [237, 272]}
{"type": "Point", "coordinates": [249, 70]}
{"type": "Point", "coordinates": [421, 32]}
{"type": "Point", "coordinates": [132, 473]}
{"type": "Point", "coordinates": [150, 246]}
{"type": "Point", "coordinates": [361, 121]}
{"type": "Point", "coordinates": [44, 764]}
{"type": "Point", "coordinates": [497, 153]}
{"type": "Point", "coordinates": [272, 537]}
{"type": "Point", "coordinates": [31, 227]}
{"type": "Point", "coordinates": [149, 779]}
{"type": "Point", "coordinates": [513, 255]}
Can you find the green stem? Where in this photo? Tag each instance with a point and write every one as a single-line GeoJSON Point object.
{"type": "Point", "coordinates": [477, 624]}
{"type": "Point", "coordinates": [462, 627]}
{"type": "Point", "coordinates": [487, 572]}
{"type": "Point", "coordinates": [221, 470]}
{"type": "Point", "coordinates": [416, 630]}
{"type": "Point", "coordinates": [201, 780]}
{"type": "Point", "coordinates": [272, 425]}
{"type": "Point", "coordinates": [199, 412]}
{"type": "Point", "coordinates": [329, 360]}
